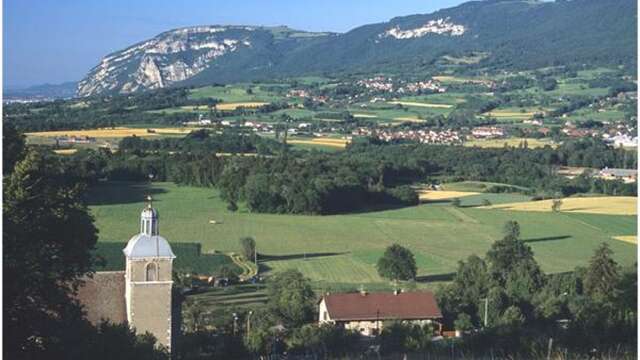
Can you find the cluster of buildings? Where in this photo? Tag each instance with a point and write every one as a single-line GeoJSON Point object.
{"type": "Point", "coordinates": [379, 83]}
{"type": "Point", "coordinates": [301, 93]}
{"type": "Point", "coordinates": [488, 132]}
{"type": "Point", "coordinates": [617, 135]}
{"type": "Point", "coordinates": [431, 85]}
{"type": "Point", "coordinates": [423, 136]}
{"type": "Point", "coordinates": [628, 176]}
{"type": "Point", "coordinates": [384, 84]}
{"type": "Point", "coordinates": [621, 140]}
{"type": "Point", "coordinates": [69, 140]}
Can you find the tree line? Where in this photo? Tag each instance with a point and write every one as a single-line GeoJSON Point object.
{"type": "Point", "coordinates": [369, 174]}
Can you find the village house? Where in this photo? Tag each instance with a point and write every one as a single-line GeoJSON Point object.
{"type": "Point", "coordinates": [626, 175]}
{"type": "Point", "coordinates": [367, 312]}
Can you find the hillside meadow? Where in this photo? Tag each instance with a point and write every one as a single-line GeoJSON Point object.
{"type": "Point", "coordinates": [343, 249]}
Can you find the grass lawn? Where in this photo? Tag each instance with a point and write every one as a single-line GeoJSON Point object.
{"type": "Point", "coordinates": [341, 250]}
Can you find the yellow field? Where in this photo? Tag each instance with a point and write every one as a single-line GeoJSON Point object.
{"type": "Point", "coordinates": [65, 151]}
{"type": "Point", "coordinates": [95, 133]}
{"type": "Point", "coordinates": [499, 114]}
{"type": "Point", "coordinates": [411, 103]}
{"type": "Point", "coordinates": [427, 195]}
{"type": "Point", "coordinates": [608, 205]}
{"type": "Point", "coordinates": [176, 131]}
{"type": "Point", "coordinates": [498, 143]}
{"type": "Point", "coordinates": [233, 106]}
{"type": "Point", "coordinates": [118, 132]}
{"type": "Point", "coordinates": [632, 239]}
{"type": "Point", "coordinates": [338, 143]}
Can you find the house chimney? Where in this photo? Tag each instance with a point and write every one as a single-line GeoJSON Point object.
{"type": "Point", "coordinates": [363, 292]}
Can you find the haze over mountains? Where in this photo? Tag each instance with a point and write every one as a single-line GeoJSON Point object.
{"type": "Point", "coordinates": [509, 34]}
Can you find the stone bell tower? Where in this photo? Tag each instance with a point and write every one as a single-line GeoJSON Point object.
{"type": "Point", "coordinates": [148, 279]}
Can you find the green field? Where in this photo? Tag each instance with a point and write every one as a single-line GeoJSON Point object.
{"type": "Point", "coordinates": [343, 249]}
{"type": "Point", "coordinates": [235, 93]}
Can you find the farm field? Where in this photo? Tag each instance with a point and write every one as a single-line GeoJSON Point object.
{"type": "Point", "coordinates": [420, 104]}
{"type": "Point", "coordinates": [118, 132]}
{"type": "Point", "coordinates": [632, 239]}
{"type": "Point", "coordinates": [608, 205]}
{"type": "Point", "coordinates": [513, 113]}
{"type": "Point", "coordinates": [65, 151]}
{"type": "Point", "coordinates": [340, 250]}
{"type": "Point", "coordinates": [448, 98]}
{"type": "Point", "coordinates": [96, 133]}
{"type": "Point", "coordinates": [328, 142]}
{"type": "Point", "coordinates": [434, 195]}
{"type": "Point", "coordinates": [608, 114]}
{"type": "Point", "coordinates": [514, 142]}
{"type": "Point", "coordinates": [235, 93]}
{"type": "Point", "coordinates": [228, 106]}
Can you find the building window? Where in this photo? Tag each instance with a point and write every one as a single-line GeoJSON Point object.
{"type": "Point", "coordinates": [325, 316]}
{"type": "Point", "coordinates": [152, 272]}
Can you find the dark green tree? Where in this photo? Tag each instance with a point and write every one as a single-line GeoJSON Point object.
{"type": "Point", "coordinates": [602, 275]}
{"type": "Point", "coordinates": [507, 255]}
{"type": "Point", "coordinates": [291, 298]}
{"type": "Point", "coordinates": [397, 263]}
{"type": "Point", "coordinates": [511, 229]}
{"type": "Point", "coordinates": [248, 245]}
{"type": "Point", "coordinates": [12, 147]}
{"type": "Point", "coordinates": [48, 235]}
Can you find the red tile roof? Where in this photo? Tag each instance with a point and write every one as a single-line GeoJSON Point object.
{"type": "Point", "coordinates": [383, 306]}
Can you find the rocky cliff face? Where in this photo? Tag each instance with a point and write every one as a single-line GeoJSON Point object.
{"type": "Point", "coordinates": [168, 58]}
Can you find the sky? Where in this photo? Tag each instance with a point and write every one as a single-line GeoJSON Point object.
{"type": "Point", "coordinates": [54, 41]}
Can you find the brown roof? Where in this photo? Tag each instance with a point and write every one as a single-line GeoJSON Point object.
{"type": "Point", "coordinates": [405, 306]}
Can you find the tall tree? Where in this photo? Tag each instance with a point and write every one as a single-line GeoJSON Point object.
{"type": "Point", "coordinates": [48, 235]}
{"type": "Point", "coordinates": [248, 245]}
{"type": "Point", "coordinates": [12, 147]}
{"type": "Point", "coordinates": [397, 263]}
{"type": "Point", "coordinates": [506, 255]}
{"type": "Point", "coordinates": [291, 298]}
{"type": "Point", "coordinates": [602, 275]}
{"type": "Point", "coordinates": [511, 229]}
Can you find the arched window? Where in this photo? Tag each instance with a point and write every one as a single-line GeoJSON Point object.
{"type": "Point", "coordinates": [152, 272]}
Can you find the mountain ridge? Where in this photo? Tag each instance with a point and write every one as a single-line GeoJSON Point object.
{"type": "Point", "coordinates": [515, 34]}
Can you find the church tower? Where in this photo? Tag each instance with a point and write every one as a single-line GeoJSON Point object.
{"type": "Point", "coordinates": [148, 279]}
